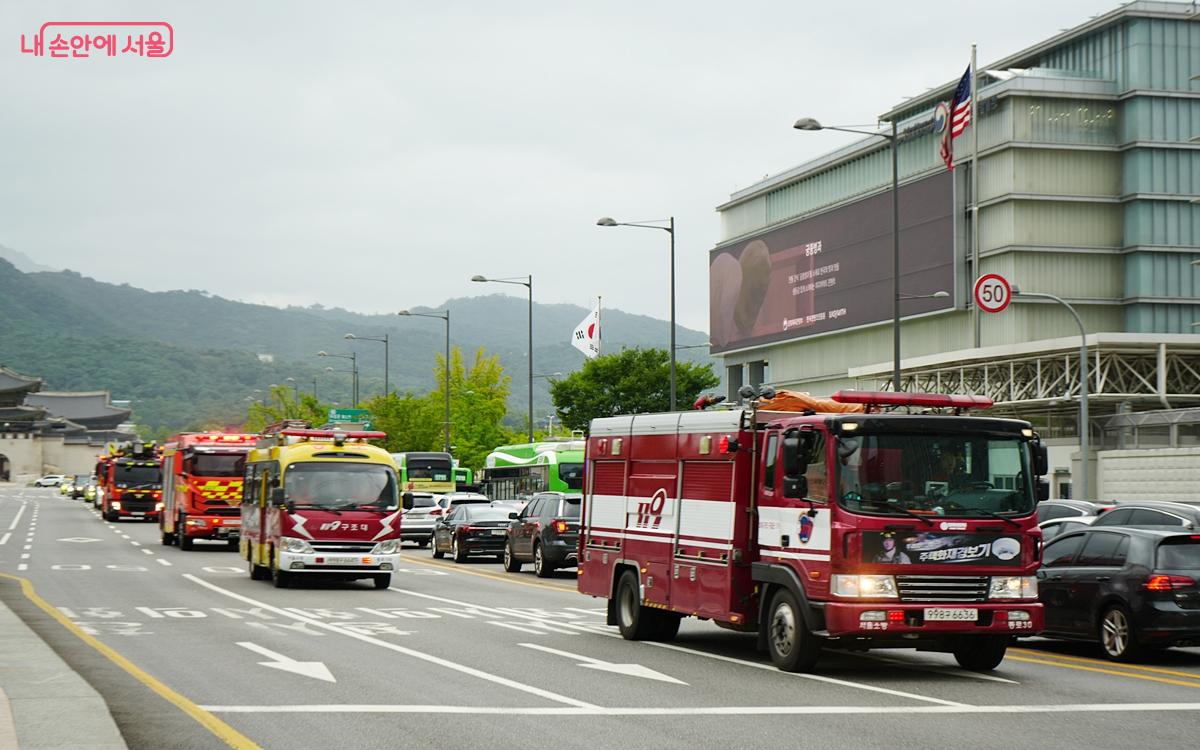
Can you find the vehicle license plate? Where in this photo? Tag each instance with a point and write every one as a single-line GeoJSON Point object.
{"type": "Point", "coordinates": [136, 513]}
{"type": "Point", "coordinates": [955, 615]}
{"type": "Point", "coordinates": [497, 532]}
{"type": "Point", "coordinates": [230, 521]}
{"type": "Point", "coordinates": [344, 560]}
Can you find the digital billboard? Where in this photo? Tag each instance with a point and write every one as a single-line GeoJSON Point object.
{"type": "Point", "coordinates": [834, 271]}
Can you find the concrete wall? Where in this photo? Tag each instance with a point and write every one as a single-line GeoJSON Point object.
{"type": "Point", "coordinates": [24, 455]}
{"type": "Point", "coordinates": [30, 458]}
{"type": "Point", "coordinates": [1149, 474]}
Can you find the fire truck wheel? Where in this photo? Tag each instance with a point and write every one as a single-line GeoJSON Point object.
{"type": "Point", "coordinates": [168, 539]}
{"type": "Point", "coordinates": [382, 581]}
{"type": "Point", "coordinates": [111, 516]}
{"type": "Point", "coordinates": [185, 541]}
{"type": "Point", "coordinates": [793, 647]}
{"type": "Point", "coordinates": [511, 563]}
{"type": "Point", "coordinates": [667, 626]}
{"type": "Point", "coordinates": [981, 653]}
{"type": "Point", "coordinates": [540, 566]}
{"type": "Point", "coordinates": [635, 622]}
{"type": "Point", "coordinates": [257, 572]}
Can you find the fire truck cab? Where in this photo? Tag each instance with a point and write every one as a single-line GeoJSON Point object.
{"type": "Point", "coordinates": [852, 530]}
{"type": "Point", "coordinates": [320, 503]}
{"type": "Point", "coordinates": [132, 482]}
{"type": "Point", "coordinates": [202, 487]}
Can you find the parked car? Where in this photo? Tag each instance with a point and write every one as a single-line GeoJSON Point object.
{"type": "Point", "coordinates": [1152, 513]}
{"type": "Point", "coordinates": [1048, 510]}
{"type": "Point", "coordinates": [471, 529]}
{"type": "Point", "coordinates": [1056, 527]}
{"type": "Point", "coordinates": [79, 485]}
{"type": "Point", "coordinates": [416, 523]}
{"type": "Point", "coordinates": [1128, 588]}
{"type": "Point", "coordinates": [545, 532]}
{"type": "Point", "coordinates": [50, 480]}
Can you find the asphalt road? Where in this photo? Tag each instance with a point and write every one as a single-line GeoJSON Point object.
{"type": "Point", "coordinates": [467, 655]}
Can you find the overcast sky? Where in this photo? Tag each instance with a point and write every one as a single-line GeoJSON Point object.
{"type": "Point", "coordinates": [376, 155]}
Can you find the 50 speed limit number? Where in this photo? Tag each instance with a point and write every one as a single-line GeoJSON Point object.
{"type": "Point", "coordinates": [992, 293]}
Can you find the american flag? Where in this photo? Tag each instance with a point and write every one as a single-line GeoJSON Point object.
{"type": "Point", "coordinates": [960, 117]}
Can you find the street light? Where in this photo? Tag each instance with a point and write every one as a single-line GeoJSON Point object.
{"type": "Point", "coordinates": [608, 221]}
{"type": "Point", "coordinates": [528, 282]}
{"type": "Point", "coordinates": [1083, 385]}
{"type": "Point", "coordinates": [295, 388]}
{"type": "Point", "coordinates": [932, 295]}
{"type": "Point", "coordinates": [808, 123]}
{"type": "Point", "coordinates": [384, 340]}
{"type": "Point", "coordinates": [353, 357]}
{"type": "Point", "coordinates": [446, 387]}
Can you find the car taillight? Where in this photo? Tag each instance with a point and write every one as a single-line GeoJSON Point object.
{"type": "Point", "coordinates": [1162, 582]}
{"type": "Point", "coordinates": [466, 528]}
{"type": "Point", "coordinates": [559, 526]}
{"type": "Point", "coordinates": [435, 512]}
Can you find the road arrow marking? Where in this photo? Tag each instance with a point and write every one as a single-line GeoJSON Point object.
{"type": "Point", "coordinates": [632, 670]}
{"type": "Point", "coordinates": [315, 669]}
{"type": "Point", "coordinates": [78, 539]}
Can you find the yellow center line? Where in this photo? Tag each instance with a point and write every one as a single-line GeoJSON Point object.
{"type": "Point", "coordinates": [220, 729]}
{"type": "Point", "coordinates": [1086, 660]}
{"type": "Point", "coordinates": [507, 578]}
{"type": "Point", "coordinates": [1131, 675]}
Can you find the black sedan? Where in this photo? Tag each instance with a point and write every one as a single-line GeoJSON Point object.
{"type": "Point", "coordinates": [1130, 589]}
{"type": "Point", "coordinates": [545, 532]}
{"type": "Point", "coordinates": [471, 529]}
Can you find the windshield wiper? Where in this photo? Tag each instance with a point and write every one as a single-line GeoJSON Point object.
{"type": "Point", "coordinates": [992, 514]}
{"type": "Point", "coordinates": [908, 512]}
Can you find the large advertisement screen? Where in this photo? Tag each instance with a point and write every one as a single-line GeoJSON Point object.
{"type": "Point", "coordinates": [834, 271]}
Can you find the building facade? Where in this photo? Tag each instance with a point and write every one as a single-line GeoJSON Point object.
{"type": "Point", "coordinates": [1087, 176]}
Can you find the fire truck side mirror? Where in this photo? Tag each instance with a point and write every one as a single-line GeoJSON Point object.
{"type": "Point", "coordinates": [795, 463]}
{"type": "Point", "coordinates": [1043, 490]}
{"type": "Point", "coordinates": [1041, 459]}
{"type": "Point", "coordinates": [406, 501]}
{"type": "Point", "coordinates": [278, 499]}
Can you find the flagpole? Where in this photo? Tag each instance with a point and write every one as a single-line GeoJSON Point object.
{"type": "Point", "coordinates": [976, 318]}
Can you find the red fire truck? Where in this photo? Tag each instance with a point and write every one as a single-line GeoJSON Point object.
{"type": "Point", "coordinates": [320, 503]}
{"type": "Point", "coordinates": [908, 524]}
{"type": "Point", "coordinates": [202, 487]}
{"type": "Point", "coordinates": [131, 486]}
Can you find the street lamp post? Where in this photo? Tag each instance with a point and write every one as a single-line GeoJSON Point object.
{"type": "Point", "coordinates": [384, 340]}
{"type": "Point", "coordinates": [295, 387]}
{"type": "Point", "coordinates": [808, 123]}
{"type": "Point", "coordinates": [608, 221]}
{"type": "Point", "coordinates": [446, 386]}
{"type": "Point", "coordinates": [1083, 385]}
{"type": "Point", "coordinates": [528, 282]}
{"type": "Point", "coordinates": [353, 357]}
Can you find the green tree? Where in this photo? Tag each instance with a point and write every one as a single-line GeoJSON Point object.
{"type": "Point", "coordinates": [411, 422]}
{"type": "Point", "coordinates": [632, 381]}
{"type": "Point", "coordinates": [281, 404]}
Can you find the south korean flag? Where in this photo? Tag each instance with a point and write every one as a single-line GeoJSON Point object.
{"type": "Point", "coordinates": [586, 337]}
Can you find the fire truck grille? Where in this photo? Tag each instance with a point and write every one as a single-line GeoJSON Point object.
{"type": "Point", "coordinates": [942, 588]}
{"type": "Point", "coordinates": [347, 545]}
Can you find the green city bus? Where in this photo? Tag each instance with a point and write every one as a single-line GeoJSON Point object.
{"type": "Point", "coordinates": [517, 471]}
{"type": "Point", "coordinates": [425, 471]}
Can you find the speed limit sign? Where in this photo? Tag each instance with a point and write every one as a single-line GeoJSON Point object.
{"type": "Point", "coordinates": [992, 293]}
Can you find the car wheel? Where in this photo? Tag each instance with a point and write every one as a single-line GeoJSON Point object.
{"type": "Point", "coordinates": [511, 563]}
{"type": "Point", "coordinates": [460, 555]}
{"type": "Point", "coordinates": [1118, 637]}
{"type": "Point", "coordinates": [423, 543]}
{"type": "Point", "coordinates": [542, 568]}
{"type": "Point", "coordinates": [981, 653]}
{"type": "Point", "coordinates": [382, 581]}
{"type": "Point", "coordinates": [437, 552]}
{"type": "Point", "coordinates": [792, 646]}
{"type": "Point", "coordinates": [633, 620]}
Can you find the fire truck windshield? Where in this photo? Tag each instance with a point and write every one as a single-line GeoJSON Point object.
{"type": "Point", "coordinates": [216, 464]}
{"type": "Point", "coordinates": [340, 486]}
{"type": "Point", "coordinates": [132, 475]}
{"type": "Point", "coordinates": [943, 475]}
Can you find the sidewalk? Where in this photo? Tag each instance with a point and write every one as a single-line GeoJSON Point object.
{"type": "Point", "coordinates": [44, 704]}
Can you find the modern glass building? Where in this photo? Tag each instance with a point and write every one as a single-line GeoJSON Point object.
{"type": "Point", "coordinates": [1088, 175]}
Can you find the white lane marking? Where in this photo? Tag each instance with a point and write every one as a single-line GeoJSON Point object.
{"type": "Point", "coordinates": [28, 546]}
{"type": "Point", "coordinates": [22, 566]}
{"type": "Point", "coordinates": [546, 694]}
{"type": "Point", "coordinates": [587, 662]}
{"type": "Point", "coordinates": [17, 518]}
{"type": "Point", "coordinates": [805, 676]}
{"type": "Point", "coordinates": [672, 647]}
{"type": "Point", "coordinates": [148, 551]}
{"type": "Point", "coordinates": [77, 539]}
{"type": "Point", "coordinates": [314, 669]}
{"type": "Point", "coordinates": [4, 539]}
{"type": "Point", "coordinates": [25, 556]}
{"type": "Point", "coordinates": [162, 561]}
{"type": "Point", "coordinates": [518, 628]}
{"type": "Point", "coordinates": [934, 668]}
{"type": "Point", "coordinates": [388, 708]}
{"type": "Point", "coordinates": [136, 544]}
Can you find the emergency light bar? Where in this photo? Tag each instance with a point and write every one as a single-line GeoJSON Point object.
{"type": "Point", "coordinates": [926, 400]}
{"type": "Point", "coordinates": [348, 434]}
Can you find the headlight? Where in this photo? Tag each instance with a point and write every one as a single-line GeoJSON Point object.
{"type": "Point", "coordinates": [1013, 587]}
{"type": "Point", "coordinates": [871, 587]}
{"type": "Point", "coordinates": [116, 505]}
{"type": "Point", "coordinates": [389, 547]}
{"type": "Point", "coordinates": [158, 506]}
{"type": "Point", "coordinates": [297, 546]}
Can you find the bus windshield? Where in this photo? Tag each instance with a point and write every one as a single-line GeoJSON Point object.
{"type": "Point", "coordinates": [945, 475]}
{"type": "Point", "coordinates": [571, 475]}
{"type": "Point", "coordinates": [217, 464]}
{"type": "Point", "coordinates": [340, 486]}
{"type": "Point", "coordinates": [437, 469]}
